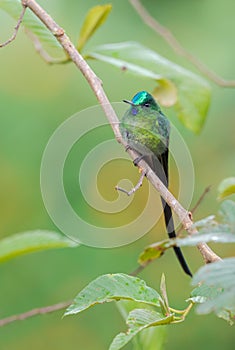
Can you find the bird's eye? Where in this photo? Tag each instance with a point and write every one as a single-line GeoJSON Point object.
{"type": "Point", "coordinates": [146, 105]}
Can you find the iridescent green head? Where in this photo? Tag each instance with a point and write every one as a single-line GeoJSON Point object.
{"type": "Point", "coordinates": [145, 100]}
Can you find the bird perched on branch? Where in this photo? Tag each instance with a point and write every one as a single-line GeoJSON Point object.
{"type": "Point", "coordinates": [147, 130]}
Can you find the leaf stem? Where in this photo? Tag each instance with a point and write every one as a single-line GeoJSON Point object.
{"type": "Point", "coordinates": [183, 313]}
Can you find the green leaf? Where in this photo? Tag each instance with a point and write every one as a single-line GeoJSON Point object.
{"type": "Point", "coordinates": [226, 187]}
{"type": "Point", "coordinates": [137, 321]}
{"type": "Point", "coordinates": [30, 21]}
{"type": "Point", "coordinates": [94, 19]}
{"type": "Point", "coordinates": [151, 338]}
{"type": "Point", "coordinates": [189, 92]}
{"type": "Point", "coordinates": [218, 293]}
{"type": "Point", "coordinates": [204, 292]}
{"type": "Point", "coordinates": [154, 251]}
{"type": "Point", "coordinates": [32, 241]}
{"type": "Point", "coordinates": [112, 287]}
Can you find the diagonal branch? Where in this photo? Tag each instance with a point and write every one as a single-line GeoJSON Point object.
{"type": "Point", "coordinates": [16, 29]}
{"type": "Point", "coordinates": [166, 34]}
{"type": "Point", "coordinates": [96, 85]}
{"type": "Point", "coordinates": [34, 312]}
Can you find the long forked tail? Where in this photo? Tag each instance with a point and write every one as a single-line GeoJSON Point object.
{"type": "Point", "coordinates": [168, 213]}
{"type": "Point", "coordinates": [171, 233]}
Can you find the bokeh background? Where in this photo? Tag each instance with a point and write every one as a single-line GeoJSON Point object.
{"type": "Point", "coordinates": [35, 98]}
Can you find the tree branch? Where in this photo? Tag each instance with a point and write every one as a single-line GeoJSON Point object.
{"type": "Point", "coordinates": [34, 312]}
{"type": "Point", "coordinates": [166, 34]}
{"type": "Point", "coordinates": [16, 29]}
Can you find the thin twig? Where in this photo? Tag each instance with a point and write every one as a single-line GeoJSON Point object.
{"type": "Point", "coordinates": [34, 312]}
{"type": "Point", "coordinates": [42, 52]}
{"type": "Point", "coordinates": [166, 34]}
{"type": "Point", "coordinates": [200, 199]}
{"type": "Point", "coordinates": [134, 189]}
{"type": "Point", "coordinates": [139, 269]}
{"type": "Point", "coordinates": [16, 29]}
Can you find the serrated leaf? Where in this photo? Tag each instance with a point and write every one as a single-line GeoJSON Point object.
{"type": "Point", "coordinates": [30, 21]}
{"type": "Point", "coordinates": [113, 287]}
{"type": "Point", "coordinates": [193, 92]}
{"type": "Point", "coordinates": [151, 338]}
{"type": "Point", "coordinates": [154, 251]}
{"type": "Point", "coordinates": [218, 279]}
{"type": "Point", "coordinates": [94, 19]}
{"type": "Point", "coordinates": [219, 273]}
{"type": "Point", "coordinates": [226, 187]}
{"type": "Point", "coordinates": [204, 292]}
{"type": "Point", "coordinates": [137, 321]}
{"type": "Point", "coordinates": [32, 241]}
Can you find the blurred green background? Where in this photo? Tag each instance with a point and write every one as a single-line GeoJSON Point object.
{"type": "Point", "coordinates": [35, 98]}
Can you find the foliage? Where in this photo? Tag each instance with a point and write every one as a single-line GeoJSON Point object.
{"type": "Point", "coordinates": [226, 187]}
{"type": "Point", "coordinates": [209, 230]}
{"type": "Point", "coordinates": [112, 287]}
{"type": "Point", "coordinates": [30, 21]}
{"type": "Point", "coordinates": [176, 86]}
{"type": "Point", "coordinates": [145, 308]}
{"type": "Point", "coordinates": [216, 292]}
{"type": "Point", "coordinates": [32, 241]}
{"type": "Point", "coordinates": [93, 20]}
{"type": "Point", "coordinates": [137, 321]}
{"type": "Point", "coordinates": [173, 85]}
{"type": "Point", "coordinates": [122, 287]}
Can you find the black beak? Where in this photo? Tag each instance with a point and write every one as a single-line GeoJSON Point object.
{"type": "Point", "coordinates": [129, 102]}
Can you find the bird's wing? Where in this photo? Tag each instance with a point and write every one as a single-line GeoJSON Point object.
{"type": "Point", "coordinates": [164, 161]}
{"type": "Point", "coordinates": [159, 164]}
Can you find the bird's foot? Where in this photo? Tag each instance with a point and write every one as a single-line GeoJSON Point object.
{"type": "Point", "coordinates": [127, 147]}
{"type": "Point", "coordinates": [137, 160]}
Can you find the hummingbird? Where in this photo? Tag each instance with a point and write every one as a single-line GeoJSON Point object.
{"type": "Point", "coordinates": [146, 130]}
